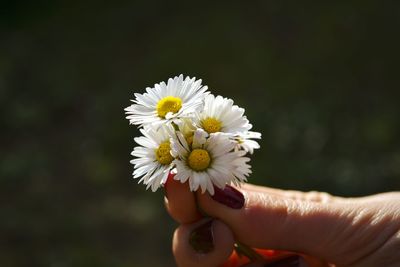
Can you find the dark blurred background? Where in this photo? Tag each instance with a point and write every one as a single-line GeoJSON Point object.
{"type": "Point", "coordinates": [319, 80]}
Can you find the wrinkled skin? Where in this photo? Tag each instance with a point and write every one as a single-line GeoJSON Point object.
{"type": "Point", "coordinates": [331, 231]}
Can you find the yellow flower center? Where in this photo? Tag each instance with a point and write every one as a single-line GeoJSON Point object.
{"type": "Point", "coordinates": [163, 154]}
{"type": "Point", "coordinates": [168, 104]}
{"type": "Point", "coordinates": [199, 159]}
{"type": "Point", "coordinates": [211, 125]}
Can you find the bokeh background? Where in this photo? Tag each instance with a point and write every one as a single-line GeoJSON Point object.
{"type": "Point", "coordinates": [320, 81]}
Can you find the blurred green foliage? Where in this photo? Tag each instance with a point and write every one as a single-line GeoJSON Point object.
{"type": "Point", "coordinates": [320, 81]}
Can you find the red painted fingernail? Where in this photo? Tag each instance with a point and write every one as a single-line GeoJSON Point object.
{"type": "Point", "coordinates": [229, 196]}
{"type": "Point", "coordinates": [292, 261]}
{"type": "Point", "coordinates": [202, 238]}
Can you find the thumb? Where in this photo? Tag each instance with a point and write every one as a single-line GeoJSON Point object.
{"type": "Point", "coordinates": [341, 232]}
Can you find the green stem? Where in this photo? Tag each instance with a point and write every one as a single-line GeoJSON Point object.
{"type": "Point", "coordinates": [176, 127]}
{"type": "Point", "coordinates": [249, 252]}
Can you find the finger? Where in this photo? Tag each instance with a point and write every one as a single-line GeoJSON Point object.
{"type": "Point", "coordinates": [382, 197]}
{"type": "Point", "coordinates": [180, 201]}
{"type": "Point", "coordinates": [293, 194]}
{"type": "Point", "coordinates": [205, 243]}
{"type": "Point", "coordinates": [324, 230]}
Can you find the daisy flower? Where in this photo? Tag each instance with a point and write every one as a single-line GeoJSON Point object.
{"type": "Point", "coordinates": [244, 141]}
{"type": "Point", "coordinates": [219, 114]}
{"type": "Point", "coordinates": [186, 127]}
{"type": "Point", "coordinates": [210, 160]}
{"type": "Point", "coordinates": [154, 159]}
{"type": "Point", "coordinates": [166, 102]}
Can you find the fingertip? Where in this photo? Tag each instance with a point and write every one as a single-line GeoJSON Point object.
{"type": "Point", "coordinates": [224, 240]}
{"type": "Point", "coordinates": [228, 200]}
{"type": "Point", "coordinates": [205, 243]}
{"type": "Point", "coordinates": [180, 202]}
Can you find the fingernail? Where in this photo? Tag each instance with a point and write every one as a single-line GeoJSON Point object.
{"type": "Point", "coordinates": [229, 196]}
{"type": "Point", "coordinates": [202, 239]}
{"type": "Point", "coordinates": [292, 261]}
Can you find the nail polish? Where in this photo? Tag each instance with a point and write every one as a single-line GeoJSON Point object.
{"type": "Point", "coordinates": [202, 238]}
{"type": "Point", "coordinates": [292, 261]}
{"type": "Point", "coordinates": [229, 196]}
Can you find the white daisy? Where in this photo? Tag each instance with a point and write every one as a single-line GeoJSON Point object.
{"type": "Point", "coordinates": [219, 114]}
{"type": "Point", "coordinates": [210, 160]}
{"type": "Point", "coordinates": [186, 127]}
{"type": "Point", "coordinates": [163, 103]}
{"type": "Point", "coordinates": [244, 141]}
{"type": "Point", "coordinates": [154, 159]}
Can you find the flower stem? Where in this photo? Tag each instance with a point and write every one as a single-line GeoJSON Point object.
{"type": "Point", "coordinates": [244, 250]}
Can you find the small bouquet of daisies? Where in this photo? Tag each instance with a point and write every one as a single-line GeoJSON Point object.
{"type": "Point", "coordinates": [201, 138]}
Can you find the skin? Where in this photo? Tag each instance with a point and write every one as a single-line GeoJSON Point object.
{"type": "Point", "coordinates": [331, 231]}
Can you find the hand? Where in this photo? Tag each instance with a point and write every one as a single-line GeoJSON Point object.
{"type": "Point", "coordinates": [342, 231]}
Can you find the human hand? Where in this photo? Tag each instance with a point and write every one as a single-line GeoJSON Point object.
{"type": "Point", "coordinates": [342, 231]}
